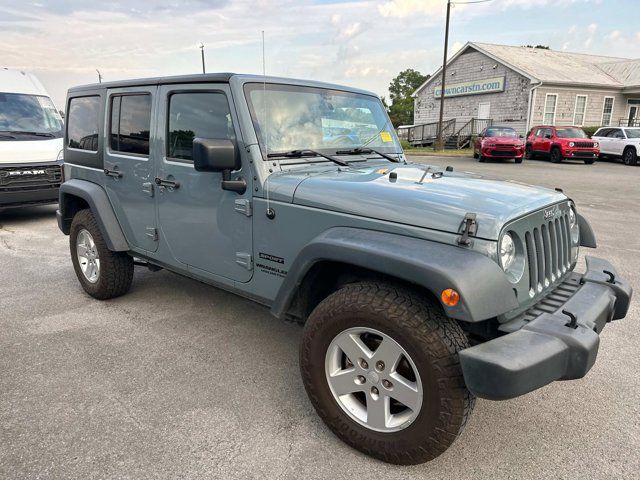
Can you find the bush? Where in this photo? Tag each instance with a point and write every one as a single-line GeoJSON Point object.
{"type": "Point", "coordinates": [590, 130]}
{"type": "Point", "coordinates": [405, 144]}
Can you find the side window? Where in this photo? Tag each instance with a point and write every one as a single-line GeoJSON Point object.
{"type": "Point", "coordinates": [614, 133]}
{"type": "Point", "coordinates": [540, 132]}
{"type": "Point", "coordinates": [130, 124]}
{"type": "Point", "coordinates": [196, 114]}
{"type": "Point", "coordinates": [82, 123]}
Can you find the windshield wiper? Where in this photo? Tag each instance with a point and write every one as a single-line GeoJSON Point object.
{"type": "Point", "coordinates": [359, 150]}
{"type": "Point", "coordinates": [307, 153]}
{"type": "Point", "coordinates": [6, 135]}
{"type": "Point", "coordinates": [36, 134]}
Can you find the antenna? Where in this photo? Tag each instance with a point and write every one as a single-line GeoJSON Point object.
{"type": "Point", "coordinates": [270, 212]}
{"type": "Point", "coordinates": [99, 76]}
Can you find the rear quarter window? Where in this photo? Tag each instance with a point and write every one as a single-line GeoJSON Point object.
{"type": "Point", "coordinates": [82, 137]}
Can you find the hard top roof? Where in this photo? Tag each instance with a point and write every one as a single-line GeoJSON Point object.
{"type": "Point", "coordinates": [214, 78]}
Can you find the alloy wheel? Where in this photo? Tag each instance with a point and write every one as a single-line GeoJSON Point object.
{"type": "Point", "coordinates": [88, 257]}
{"type": "Point", "coordinates": [373, 379]}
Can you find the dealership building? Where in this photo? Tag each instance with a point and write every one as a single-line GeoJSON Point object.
{"type": "Point", "coordinates": [521, 87]}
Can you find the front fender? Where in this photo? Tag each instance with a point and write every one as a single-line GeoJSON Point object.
{"type": "Point", "coordinates": [483, 287]}
{"type": "Point", "coordinates": [95, 196]}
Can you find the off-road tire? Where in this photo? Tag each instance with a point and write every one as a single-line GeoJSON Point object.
{"type": "Point", "coordinates": [555, 155]}
{"type": "Point", "coordinates": [629, 156]}
{"type": "Point", "coordinates": [433, 342]}
{"type": "Point", "coordinates": [116, 268]}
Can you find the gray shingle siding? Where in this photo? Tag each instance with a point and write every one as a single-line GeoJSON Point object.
{"type": "Point", "coordinates": [509, 107]}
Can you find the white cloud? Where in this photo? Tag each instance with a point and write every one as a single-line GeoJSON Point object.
{"type": "Point", "coordinates": [592, 28]}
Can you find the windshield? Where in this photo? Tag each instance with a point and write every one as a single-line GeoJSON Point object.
{"type": "Point", "coordinates": [632, 133]}
{"type": "Point", "coordinates": [570, 133]}
{"type": "Point", "coordinates": [299, 118]}
{"type": "Point", "coordinates": [500, 132]}
{"type": "Point", "coordinates": [29, 113]}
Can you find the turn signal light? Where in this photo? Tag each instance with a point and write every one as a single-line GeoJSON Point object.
{"type": "Point", "coordinates": [450, 297]}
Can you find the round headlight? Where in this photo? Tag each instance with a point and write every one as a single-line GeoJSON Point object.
{"type": "Point", "coordinates": [507, 251]}
{"type": "Point", "coordinates": [572, 217]}
{"type": "Point", "coordinates": [573, 226]}
{"type": "Point", "coordinates": [571, 144]}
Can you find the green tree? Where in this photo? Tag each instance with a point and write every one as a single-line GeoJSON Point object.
{"type": "Point", "coordinates": [400, 90]}
{"type": "Point", "coordinates": [542, 47]}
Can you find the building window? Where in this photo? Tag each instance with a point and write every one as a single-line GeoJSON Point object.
{"type": "Point", "coordinates": [82, 123]}
{"type": "Point", "coordinates": [607, 110]}
{"type": "Point", "coordinates": [130, 124]}
{"type": "Point", "coordinates": [550, 102]}
{"type": "Point", "coordinates": [580, 108]}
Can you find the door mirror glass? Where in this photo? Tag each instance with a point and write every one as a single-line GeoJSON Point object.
{"type": "Point", "coordinates": [215, 155]}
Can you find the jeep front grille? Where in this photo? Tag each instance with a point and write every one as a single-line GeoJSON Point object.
{"type": "Point", "coordinates": [548, 249]}
{"type": "Point", "coordinates": [584, 144]}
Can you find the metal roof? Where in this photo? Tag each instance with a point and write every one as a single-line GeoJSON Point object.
{"type": "Point", "coordinates": [558, 67]}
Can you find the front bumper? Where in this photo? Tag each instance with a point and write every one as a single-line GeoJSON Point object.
{"type": "Point", "coordinates": [550, 347]}
{"type": "Point", "coordinates": [503, 152]}
{"type": "Point", "coordinates": [581, 154]}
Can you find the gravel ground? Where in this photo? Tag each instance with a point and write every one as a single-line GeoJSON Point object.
{"type": "Point", "coordinates": [179, 379]}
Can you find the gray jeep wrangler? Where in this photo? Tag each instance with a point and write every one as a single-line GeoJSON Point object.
{"type": "Point", "coordinates": [419, 288]}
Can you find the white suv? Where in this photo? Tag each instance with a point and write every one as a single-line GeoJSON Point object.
{"type": "Point", "coordinates": [619, 142]}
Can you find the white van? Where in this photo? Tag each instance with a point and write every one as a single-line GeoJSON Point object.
{"type": "Point", "coordinates": [31, 131]}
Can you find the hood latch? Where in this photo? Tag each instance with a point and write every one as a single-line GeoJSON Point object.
{"type": "Point", "coordinates": [469, 227]}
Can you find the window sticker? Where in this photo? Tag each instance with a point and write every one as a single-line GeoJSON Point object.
{"type": "Point", "coordinates": [386, 137]}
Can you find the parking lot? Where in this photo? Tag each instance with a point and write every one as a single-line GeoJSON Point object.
{"type": "Point", "coordinates": [180, 379]}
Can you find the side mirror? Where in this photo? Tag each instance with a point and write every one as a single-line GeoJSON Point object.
{"type": "Point", "coordinates": [219, 155]}
{"type": "Point", "coordinates": [214, 155]}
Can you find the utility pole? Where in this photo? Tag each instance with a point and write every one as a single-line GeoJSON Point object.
{"type": "Point", "coordinates": [201, 47]}
{"type": "Point", "coordinates": [99, 76]}
{"type": "Point", "coordinates": [440, 140]}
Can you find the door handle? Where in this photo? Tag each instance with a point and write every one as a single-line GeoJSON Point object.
{"type": "Point", "coordinates": [112, 173]}
{"type": "Point", "coordinates": [170, 184]}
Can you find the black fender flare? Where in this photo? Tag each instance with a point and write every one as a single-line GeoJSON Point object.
{"type": "Point", "coordinates": [98, 202]}
{"type": "Point", "coordinates": [484, 289]}
{"type": "Point", "coordinates": [587, 235]}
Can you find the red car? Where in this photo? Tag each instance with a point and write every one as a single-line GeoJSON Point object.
{"type": "Point", "coordinates": [498, 142]}
{"type": "Point", "coordinates": [560, 143]}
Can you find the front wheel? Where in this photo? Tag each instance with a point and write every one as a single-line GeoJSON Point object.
{"type": "Point", "coordinates": [102, 273]}
{"type": "Point", "coordinates": [629, 157]}
{"type": "Point", "coordinates": [519, 159]}
{"type": "Point", "coordinates": [391, 386]}
{"type": "Point", "coordinates": [556, 156]}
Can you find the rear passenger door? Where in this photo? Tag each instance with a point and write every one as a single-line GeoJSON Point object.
{"type": "Point", "coordinates": [205, 227]}
{"type": "Point", "coordinates": [129, 171]}
{"type": "Point", "coordinates": [616, 141]}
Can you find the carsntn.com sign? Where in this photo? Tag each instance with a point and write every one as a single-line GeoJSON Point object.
{"type": "Point", "coordinates": [488, 85]}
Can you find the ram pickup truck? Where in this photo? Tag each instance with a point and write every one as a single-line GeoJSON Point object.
{"type": "Point", "coordinates": [420, 288]}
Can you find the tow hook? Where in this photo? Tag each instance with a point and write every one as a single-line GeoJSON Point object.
{"type": "Point", "coordinates": [612, 277]}
{"type": "Point", "coordinates": [574, 320]}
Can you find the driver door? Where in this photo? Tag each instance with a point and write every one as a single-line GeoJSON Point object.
{"type": "Point", "coordinates": [199, 221]}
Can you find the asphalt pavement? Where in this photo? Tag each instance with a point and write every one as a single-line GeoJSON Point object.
{"type": "Point", "coordinates": [178, 379]}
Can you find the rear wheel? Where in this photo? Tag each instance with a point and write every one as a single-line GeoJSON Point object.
{"type": "Point", "coordinates": [556, 155]}
{"type": "Point", "coordinates": [102, 273]}
{"type": "Point", "coordinates": [629, 157]}
{"type": "Point", "coordinates": [391, 385]}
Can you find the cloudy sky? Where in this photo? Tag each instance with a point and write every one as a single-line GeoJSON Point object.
{"type": "Point", "coordinates": [363, 43]}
